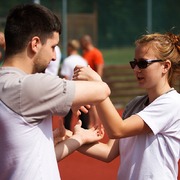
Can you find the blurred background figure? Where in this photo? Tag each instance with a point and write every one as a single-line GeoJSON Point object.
{"type": "Point", "coordinates": [67, 71]}
{"type": "Point", "coordinates": [73, 59]}
{"type": "Point", "coordinates": [2, 47]}
{"type": "Point", "coordinates": [95, 60]}
{"type": "Point", "coordinates": [92, 54]}
{"type": "Point", "coordinates": [53, 67]}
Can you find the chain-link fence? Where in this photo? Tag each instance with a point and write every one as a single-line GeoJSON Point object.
{"type": "Point", "coordinates": [112, 23]}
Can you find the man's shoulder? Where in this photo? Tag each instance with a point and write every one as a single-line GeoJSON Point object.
{"type": "Point", "coordinates": [11, 70]}
{"type": "Point", "coordinates": [15, 77]}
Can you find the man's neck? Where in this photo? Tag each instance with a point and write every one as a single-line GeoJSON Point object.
{"type": "Point", "coordinates": [19, 61]}
{"type": "Point", "coordinates": [90, 47]}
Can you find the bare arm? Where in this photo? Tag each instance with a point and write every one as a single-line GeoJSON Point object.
{"type": "Point", "coordinates": [115, 126]}
{"type": "Point", "coordinates": [113, 123]}
{"type": "Point", "coordinates": [94, 118]}
{"type": "Point", "coordinates": [88, 93]}
{"type": "Point", "coordinates": [104, 152]}
{"type": "Point", "coordinates": [81, 136]}
{"type": "Point", "coordinates": [99, 69]}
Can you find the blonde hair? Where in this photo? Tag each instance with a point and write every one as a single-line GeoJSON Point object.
{"type": "Point", "coordinates": [167, 47]}
{"type": "Point", "coordinates": [74, 44]}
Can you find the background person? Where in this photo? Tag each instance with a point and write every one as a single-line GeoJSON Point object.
{"type": "Point", "coordinates": [148, 139]}
{"type": "Point", "coordinates": [92, 54]}
{"type": "Point", "coordinates": [73, 59]}
{"type": "Point", "coordinates": [53, 66]}
{"type": "Point", "coordinates": [29, 98]}
{"type": "Point", "coordinates": [67, 71]}
{"type": "Point", "coordinates": [95, 60]}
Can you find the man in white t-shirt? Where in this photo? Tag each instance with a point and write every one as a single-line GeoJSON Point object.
{"type": "Point", "coordinates": [53, 66]}
{"type": "Point", "coordinates": [72, 60]}
{"type": "Point", "coordinates": [67, 71]}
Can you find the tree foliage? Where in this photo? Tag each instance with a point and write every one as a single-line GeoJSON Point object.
{"type": "Point", "coordinates": [120, 22]}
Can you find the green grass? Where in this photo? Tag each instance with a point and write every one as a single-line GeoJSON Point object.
{"type": "Point", "coordinates": [118, 55]}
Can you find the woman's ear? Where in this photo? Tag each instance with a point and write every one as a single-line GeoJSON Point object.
{"type": "Point", "coordinates": [167, 66]}
{"type": "Point", "coordinates": [35, 44]}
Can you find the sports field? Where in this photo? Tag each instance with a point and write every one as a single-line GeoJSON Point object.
{"type": "Point", "coordinates": [118, 55]}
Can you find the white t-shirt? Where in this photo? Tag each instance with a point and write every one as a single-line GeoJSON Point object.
{"type": "Point", "coordinates": [153, 156]}
{"type": "Point", "coordinates": [69, 64]}
{"type": "Point", "coordinates": [53, 66]}
{"type": "Point", "coordinates": [27, 103]}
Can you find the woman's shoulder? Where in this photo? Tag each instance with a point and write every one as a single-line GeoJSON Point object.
{"type": "Point", "coordinates": [135, 105]}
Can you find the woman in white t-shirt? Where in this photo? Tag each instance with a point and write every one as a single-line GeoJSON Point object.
{"type": "Point", "coordinates": [148, 139]}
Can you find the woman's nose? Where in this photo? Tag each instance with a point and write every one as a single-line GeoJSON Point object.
{"type": "Point", "coordinates": [137, 69]}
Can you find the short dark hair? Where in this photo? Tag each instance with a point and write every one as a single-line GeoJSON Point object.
{"type": "Point", "coordinates": [26, 21]}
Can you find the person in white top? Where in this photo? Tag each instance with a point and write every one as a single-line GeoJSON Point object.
{"type": "Point", "coordinates": [147, 137]}
{"type": "Point", "coordinates": [29, 98]}
{"type": "Point", "coordinates": [53, 66]}
{"type": "Point", "coordinates": [67, 71]}
{"type": "Point", "coordinates": [73, 59]}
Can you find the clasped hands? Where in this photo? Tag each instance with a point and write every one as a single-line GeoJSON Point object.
{"type": "Point", "coordinates": [95, 133]}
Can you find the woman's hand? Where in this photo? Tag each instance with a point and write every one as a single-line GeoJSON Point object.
{"type": "Point", "coordinates": [86, 136]}
{"type": "Point", "coordinates": [86, 74]}
{"type": "Point", "coordinates": [77, 110]}
{"type": "Point", "coordinates": [66, 146]}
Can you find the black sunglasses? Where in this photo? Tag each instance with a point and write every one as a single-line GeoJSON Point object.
{"type": "Point", "coordinates": [142, 64]}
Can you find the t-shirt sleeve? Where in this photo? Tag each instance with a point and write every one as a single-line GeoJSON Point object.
{"type": "Point", "coordinates": [43, 95]}
{"type": "Point", "coordinates": [161, 114]}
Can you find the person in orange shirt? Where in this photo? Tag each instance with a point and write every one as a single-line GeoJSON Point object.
{"type": "Point", "coordinates": [93, 55]}
{"type": "Point", "coordinates": [95, 60]}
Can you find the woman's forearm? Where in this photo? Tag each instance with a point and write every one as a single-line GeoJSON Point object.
{"type": "Point", "coordinates": [110, 118]}
{"type": "Point", "coordinates": [68, 146]}
{"type": "Point", "coordinates": [104, 152]}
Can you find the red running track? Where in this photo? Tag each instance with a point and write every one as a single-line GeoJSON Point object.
{"type": "Point", "coordinates": [79, 167]}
